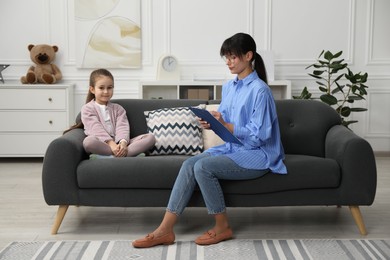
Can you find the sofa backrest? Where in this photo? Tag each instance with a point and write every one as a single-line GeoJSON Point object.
{"type": "Point", "coordinates": [135, 110]}
{"type": "Point", "coordinates": [304, 125]}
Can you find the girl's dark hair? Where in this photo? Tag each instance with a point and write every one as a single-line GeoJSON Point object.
{"type": "Point", "coordinates": [239, 45]}
{"type": "Point", "coordinates": [90, 96]}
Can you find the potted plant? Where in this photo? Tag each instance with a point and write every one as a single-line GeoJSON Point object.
{"type": "Point", "coordinates": [330, 72]}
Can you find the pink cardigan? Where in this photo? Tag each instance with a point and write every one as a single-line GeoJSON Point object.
{"type": "Point", "coordinates": [94, 124]}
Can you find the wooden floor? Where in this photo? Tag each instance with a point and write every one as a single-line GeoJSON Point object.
{"type": "Point", "coordinates": [24, 216]}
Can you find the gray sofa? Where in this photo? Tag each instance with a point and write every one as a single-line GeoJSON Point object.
{"type": "Point", "coordinates": [327, 165]}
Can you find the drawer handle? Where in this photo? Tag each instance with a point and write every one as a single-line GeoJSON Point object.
{"type": "Point", "coordinates": [51, 122]}
{"type": "Point", "coordinates": [50, 99]}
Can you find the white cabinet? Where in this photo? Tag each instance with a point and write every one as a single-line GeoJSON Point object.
{"type": "Point", "coordinates": [281, 89]}
{"type": "Point", "coordinates": [32, 116]}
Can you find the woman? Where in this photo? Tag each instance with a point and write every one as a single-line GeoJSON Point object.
{"type": "Point", "coordinates": [248, 110]}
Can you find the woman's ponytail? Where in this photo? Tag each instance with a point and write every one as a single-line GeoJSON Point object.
{"type": "Point", "coordinates": [260, 68]}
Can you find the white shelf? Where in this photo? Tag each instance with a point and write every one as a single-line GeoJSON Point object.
{"type": "Point", "coordinates": [281, 89]}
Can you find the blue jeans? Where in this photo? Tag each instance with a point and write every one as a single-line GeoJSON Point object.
{"type": "Point", "coordinates": [205, 170]}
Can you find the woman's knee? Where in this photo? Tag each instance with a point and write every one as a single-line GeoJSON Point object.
{"type": "Point", "coordinates": [187, 164]}
{"type": "Point", "coordinates": [201, 170]}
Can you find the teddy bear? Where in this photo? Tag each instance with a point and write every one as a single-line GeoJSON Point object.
{"type": "Point", "coordinates": [44, 71]}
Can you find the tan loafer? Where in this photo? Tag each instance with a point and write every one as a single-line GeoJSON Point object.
{"type": "Point", "coordinates": [150, 240]}
{"type": "Point", "coordinates": [211, 237]}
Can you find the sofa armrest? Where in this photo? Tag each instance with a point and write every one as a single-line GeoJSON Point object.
{"type": "Point", "coordinates": [59, 179]}
{"type": "Point", "coordinates": [357, 161]}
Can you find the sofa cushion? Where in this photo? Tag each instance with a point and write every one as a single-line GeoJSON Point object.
{"type": "Point", "coordinates": [210, 138]}
{"type": "Point", "coordinates": [177, 131]}
{"type": "Point", "coordinates": [304, 172]}
{"type": "Point", "coordinates": [135, 110]}
{"type": "Point", "coordinates": [152, 172]}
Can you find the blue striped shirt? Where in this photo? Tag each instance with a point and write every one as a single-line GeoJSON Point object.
{"type": "Point", "coordinates": [249, 105]}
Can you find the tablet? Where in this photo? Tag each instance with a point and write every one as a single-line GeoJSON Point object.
{"type": "Point", "coordinates": [215, 125]}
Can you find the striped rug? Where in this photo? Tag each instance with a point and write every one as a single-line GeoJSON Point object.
{"type": "Point", "coordinates": [232, 249]}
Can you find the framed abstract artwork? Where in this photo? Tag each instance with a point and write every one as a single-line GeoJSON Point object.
{"type": "Point", "coordinates": [108, 33]}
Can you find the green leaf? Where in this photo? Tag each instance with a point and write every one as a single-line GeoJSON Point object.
{"type": "Point", "coordinates": [305, 94]}
{"type": "Point", "coordinates": [328, 56]}
{"type": "Point", "coordinates": [350, 73]}
{"type": "Point", "coordinates": [318, 72]}
{"type": "Point", "coordinates": [336, 90]}
{"type": "Point", "coordinates": [338, 61]}
{"type": "Point", "coordinates": [309, 66]}
{"type": "Point", "coordinates": [360, 96]}
{"type": "Point", "coordinates": [323, 63]}
{"type": "Point", "coordinates": [315, 76]}
{"type": "Point", "coordinates": [363, 91]}
{"type": "Point", "coordinates": [328, 99]}
{"type": "Point", "coordinates": [318, 66]}
{"type": "Point", "coordinates": [353, 79]}
{"type": "Point", "coordinates": [322, 89]}
{"type": "Point", "coordinates": [347, 123]}
{"type": "Point", "coordinates": [337, 54]}
{"type": "Point", "coordinates": [322, 52]}
{"type": "Point", "coordinates": [358, 109]}
{"type": "Point", "coordinates": [339, 88]}
{"type": "Point", "coordinates": [337, 67]}
{"type": "Point", "coordinates": [338, 77]}
{"type": "Point", "coordinates": [355, 98]}
{"type": "Point", "coordinates": [364, 78]}
{"type": "Point", "coordinates": [345, 111]}
{"type": "Point", "coordinates": [320, 83]}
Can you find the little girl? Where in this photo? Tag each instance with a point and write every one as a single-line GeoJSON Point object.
{"type": "Point", "coordinates": [106, 124]}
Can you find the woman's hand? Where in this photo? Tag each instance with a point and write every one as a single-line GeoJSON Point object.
{"type": "Point", "coordinates": [219, 117]}
{"type": "Point", "coordinates": [215, 114]}
{"type": "Point", "coordinates": [203, 124]}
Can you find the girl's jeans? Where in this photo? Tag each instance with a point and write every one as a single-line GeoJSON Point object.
{"type": "Point", "coordinates": [205, 170]}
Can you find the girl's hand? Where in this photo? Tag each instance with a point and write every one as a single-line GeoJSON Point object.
{"type": "Point", "coordinates": [113, 146]}
{"type": "Point", "coordinates": [121, 149]}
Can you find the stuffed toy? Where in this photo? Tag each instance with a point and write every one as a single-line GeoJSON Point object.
{"type": "Point", "coordinates": [44, 71]}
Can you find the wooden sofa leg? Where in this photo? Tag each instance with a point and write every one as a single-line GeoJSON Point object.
{"type": "Point", "coordinates": [59, 217]}
{"type": "Point", "coordinates": [357, 216]}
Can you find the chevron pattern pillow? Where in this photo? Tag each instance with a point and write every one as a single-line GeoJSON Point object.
{"type": "Point", "coordinates": [177, 131]}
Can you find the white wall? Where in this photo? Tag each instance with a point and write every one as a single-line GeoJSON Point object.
{"type": "Point", "coordinates": [296, 31]}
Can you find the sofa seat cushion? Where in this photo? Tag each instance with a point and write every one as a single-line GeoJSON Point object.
{"type": "Point", "coordinates": [160, 172]}
{"type": "Point", "coordinates": [303, 172]}
{"type": "Point", "coordinates": [154, 172]}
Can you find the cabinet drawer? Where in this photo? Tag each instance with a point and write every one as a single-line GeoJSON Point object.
{"type": "Point", "coordinates": [33, 98]}
{"type": "Point", "coordinates": [26, 121]}
{"type": "Point", "coordinates": [25, 145]}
